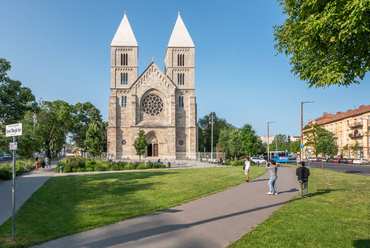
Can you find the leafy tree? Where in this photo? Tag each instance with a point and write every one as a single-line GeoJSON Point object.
{"type": "Point", "coordinates": [279, 143]}
{"type": "Point", "coordinates": [250, 143]}
{"type": "Point", "coordinates": [235, 143]}
{"type": "Point", "coordinates": [355, 149]}
{"type": "Point", "coordinates": [205, 131]}
{"type": "Point", "coordinates": [327, 41]}
{"type": "Point", "coordinates": [140, 144]}
{"type": "Point", "coordinates": [295, 146]}
{"type": "Point", "coordinates": [15, 100]}
{"type": "Point", "coordinates": [94, 140]}
{"type": "Point", "coordinates": [28, 143]}
{"type": "Point", "coordinates": [54, 122]}
{"type": "Point", "coordinates": [86, 113]}
{"type": "Point", "coordinates": [345, 149]}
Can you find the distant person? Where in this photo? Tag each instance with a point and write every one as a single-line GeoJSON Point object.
{"type": "Point", "coordinates": [273, 176]}
{"type": "Point", "coordinates": [247, 165]}
{"type": "Point", "coordinates": [221, 161]}
{"type": "Point", "coordinates": [37, 163]}
{"type": "Point", "coordinates": [47, 161]}
{"type": "Point", "coordinates": [43, 165]}
{"type": "Point", "coordinates": [302, 175]}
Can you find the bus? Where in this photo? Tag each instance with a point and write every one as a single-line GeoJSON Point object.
{"type": "Point", "coordinates": [279, 156]}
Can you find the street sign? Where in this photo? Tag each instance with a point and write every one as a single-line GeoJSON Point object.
{"type": "Point", "coordinates": [14, 130]}
{"type": "Point", "coordinates": [302, 146]}
{"type": "Point", "coordinates": [13, 146]}
{"type": "Point", "coordinates": [309, 150]}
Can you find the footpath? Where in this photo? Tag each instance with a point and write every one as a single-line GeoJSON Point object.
{"type": "Point", "coordinates": [212, 221]}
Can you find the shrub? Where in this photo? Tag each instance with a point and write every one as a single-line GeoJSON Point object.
{"type": "Point", "coordinates": [99, 168]}
{"type": "Point", "coordinates": [113, 167]}
{"type": "Point", "coordinates": [129, 167]}
{"type": "Point", "coordinates": [142, 166]}
{"type": "Point", "coordinates": [5, 174]}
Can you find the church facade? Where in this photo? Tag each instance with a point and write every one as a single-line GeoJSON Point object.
{"type": "Point", "coordinates": [163, 104]}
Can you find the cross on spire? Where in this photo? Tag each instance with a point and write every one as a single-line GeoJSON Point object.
{"type": "Point", "coordinates": [153, 58]}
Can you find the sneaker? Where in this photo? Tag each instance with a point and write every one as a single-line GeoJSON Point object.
{"type": "Point", "coordinates": [275, 193]}
{"type": "Point", "coordinates": [270, 193]}
{"type": "Point", "coordinates": [306, 196]}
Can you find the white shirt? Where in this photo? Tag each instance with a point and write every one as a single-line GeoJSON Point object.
{"type": "Point", "coordinates": [247, 165]}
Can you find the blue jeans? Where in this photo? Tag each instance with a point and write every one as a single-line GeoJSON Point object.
{"type": "Point", "coordinates": [272, 184]}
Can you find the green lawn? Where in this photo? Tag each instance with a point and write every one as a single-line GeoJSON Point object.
{"type": "Point", "coordinates": [72, 204]}
{"type": "Point", "coordinates": [336, 215]}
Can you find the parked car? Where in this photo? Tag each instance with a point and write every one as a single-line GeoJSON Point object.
{"type": "Point", "coordinates": [329, 160]}
{"type": "Point", "coordinates": [342, 160]}
{"type": "Point", "coordinates": [349, 161]}
{"type": "Point", "coordinates": [313, 159]}
{"type": "Point", "coordinates": [7, 156]}
{"type": "Point", "coordinates": [335, 160]}
{"type": "Point", "coordinates": [360, 161]}
{"type": "Point", "coordinates": [258, 160]}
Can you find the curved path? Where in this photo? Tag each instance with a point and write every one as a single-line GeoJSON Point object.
{"type": "Point", "coordinates": [212, 221]}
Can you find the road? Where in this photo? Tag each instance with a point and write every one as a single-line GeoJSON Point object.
{"type": "Point", "coordinates": [363, 170]}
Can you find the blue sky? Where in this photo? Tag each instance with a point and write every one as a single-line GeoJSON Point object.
{"type": "Point", "coordinates": [61, 50]}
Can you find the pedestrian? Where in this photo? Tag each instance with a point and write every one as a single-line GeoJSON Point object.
{"type": "Point", "coordinates": [302, 175]}
{"type": "Point", "coordinates": [37, 163]}
{"type": "Point", "coordinates": [47, 161]}
{"type": "Point", "coordinates": [43, 164]}
{"type": "Point", "coordinates": [273, 176]}
{"type": "Point", "coordinates": [246, 167]}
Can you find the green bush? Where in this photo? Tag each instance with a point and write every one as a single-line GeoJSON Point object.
{"type": "Point", "coordinates": [113, 167]}
{"type": "Point", "coordinates": [142, 166]}
{"type": "Point", "coordinates": [5, 174]}
{"type": "Point", "coordinates": [129, 167]}
{"type": "Point", "coordinates": [100, 168]}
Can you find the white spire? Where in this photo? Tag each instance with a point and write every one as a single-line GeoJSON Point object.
{"type": "Point", "coordinates": [124, 35]}
{"type": "Point", "coordinates": [180, 36]}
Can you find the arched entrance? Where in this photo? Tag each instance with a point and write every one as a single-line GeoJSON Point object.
{"type": "Point", "coordinates": [152, 148]}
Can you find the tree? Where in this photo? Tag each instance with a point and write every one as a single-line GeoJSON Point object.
{"type": "Point", "coordinates": [345, 148]}
{"type": "Point", "coordinates": [250, 143]}
{"type": "Point", "coordinates": [234, 144]}
{"type": "Point", "coordinates": [205, 131]}
{"type": "Point", "coordinates": [140, 144]}
{"type": "Point", "coordinates": [295, 146]}
{"type": "Point", "coordinates": [15, 100]}
{"type": "Point", "coordinates": [54, 122]}
{"type": "Point", "coordinates": [94, 140]}
{"type": "Point", "coordinates": [355, 149]}
{"type": "Point", "coordinates": [86, 113]}
{"type": "Point", "coordinates": [279, 143]}
{"type": "Point", "coordinates": [327, 41]}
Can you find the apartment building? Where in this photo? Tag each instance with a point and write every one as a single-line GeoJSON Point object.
{"type": "Point", "coordinates": [352, 129]}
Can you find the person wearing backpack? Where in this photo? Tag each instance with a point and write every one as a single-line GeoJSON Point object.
{"type": "Point", "coordinates": [302, 174]}
{"type": "Point", "coordinates": [246, 167]}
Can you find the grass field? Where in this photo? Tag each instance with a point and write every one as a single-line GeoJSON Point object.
{"type": "Point", "coordinates": [72, 204]}
{"type": "Point", "coordinates": [335, 215]}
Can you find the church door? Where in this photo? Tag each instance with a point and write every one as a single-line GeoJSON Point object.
{"type": "Point", "coordinates": [150, 150]}
{"type": "Point", "coordinates": [155, 150]}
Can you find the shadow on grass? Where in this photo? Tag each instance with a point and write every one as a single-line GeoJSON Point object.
{"type": "Point", "coordinates": [323, 192]}
{"type": "Point", "coordinates": [361, 243]}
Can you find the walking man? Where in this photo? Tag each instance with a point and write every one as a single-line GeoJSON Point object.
{"type": "Point", "coordinates": [302, 174]}
{"type": "Point", "coordinates": [247, 165]}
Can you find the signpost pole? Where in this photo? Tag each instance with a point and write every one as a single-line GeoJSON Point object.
{"type": "Point", "coordinates": [13, 193]}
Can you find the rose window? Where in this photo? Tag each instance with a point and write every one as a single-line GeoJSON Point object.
{"type": "Point", "coordinates": [152, 105]}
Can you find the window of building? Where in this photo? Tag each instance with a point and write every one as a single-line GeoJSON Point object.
{"type": "Point", "coordinates": [124, 59]}
{"type": "Point", "coordinates": [124, 78]}
{"type": "Point", "coordinates": [180, 79]}
{"type": "Point", "coordinates": [181, 101]}
{"type": "Point", "coordinates": [124, 101]}
{"type": "Point", "coordinates": [341, 143]}
{"type": "Point", "coordinates": [340, 133]}
{"type": "Point", "coordinates": [180, 59]}
{"type": "Point", "coordinates": [340, 124]}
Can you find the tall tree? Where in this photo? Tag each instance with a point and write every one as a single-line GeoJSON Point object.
{"type": "Point", "coordinates": [295, 146]}
{"type": "Point", "coordinates": [327, 41]}
{"type": "Point", "coordinates": [54, 122]}
{"type": "Point", "coordinates": [250, 143]}
{"type": "Point", "coordinates": [205, 131]}
{"type": "Point", "coordinates": [94, 140]}
{"type": "Point", "coordinates": [86, 113]}
{"type": "Point", "coordinates": [355, 149]}
{"type": "Point", "coordinates": [140, 144]}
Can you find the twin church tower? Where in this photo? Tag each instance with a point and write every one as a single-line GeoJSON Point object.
{"type": "Point", "coordinates": [163, 104]}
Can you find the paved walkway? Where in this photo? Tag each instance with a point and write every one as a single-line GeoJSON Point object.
{"type": "Point", "coordinates": [213, 221]}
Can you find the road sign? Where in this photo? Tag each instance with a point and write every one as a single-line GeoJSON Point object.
{"type": "Point", "coordinates": [302, 146]}
{"type": "Point", "coordinates": [309, 150]}
{"type": "Point", "coordinates": [13, 146]}
{"type": "Point", "coordinates": [14, 130]}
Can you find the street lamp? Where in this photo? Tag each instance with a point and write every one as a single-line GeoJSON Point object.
{"type": "Point", "coordinates": [302, 126]}
{"type": "Point", "coordinates": [268, 141]}
{"type": "Point", "coordinates": [212, 138]}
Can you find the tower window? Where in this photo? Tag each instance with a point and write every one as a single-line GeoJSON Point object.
{"type": "Point", "coordinates": [180, 79]}
{"type": "Point", "coordinates": [124, 59]}
{"type": "Point", "coordinates": [124, 101]}
{"type": "Point", "coordinates": [124, 78]}
{"type": "Point", "coordinates": [180, 59]}
{"type": "Point", "coordinates": [181, 101]}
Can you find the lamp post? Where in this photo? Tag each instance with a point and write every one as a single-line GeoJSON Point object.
{"type": "Point", "coordinates": [268, 141]}
{"type": "Point", "coordinates": [212, 138]}
{"type": "Point", "coordinates": [302, 126]}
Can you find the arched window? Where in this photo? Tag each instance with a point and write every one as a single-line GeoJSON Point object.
{"type": "Point", "coordinates": [180, 59]}
{"type": "Point", "coordinates": [181, 101]}
{"type": "Point", "coordinates": [180, 79]}
{"type": "Point", "coordinates": [124, 59]}
{"type": "Point", "coordinates": [124, 101]}
{"type": "Point", "coordinates": [124, 78]}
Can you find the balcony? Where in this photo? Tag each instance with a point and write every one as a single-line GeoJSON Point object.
{"type": "Point", "coordinates": [356, 124]}
{"type": "Point", "coordinates": [356, 136]}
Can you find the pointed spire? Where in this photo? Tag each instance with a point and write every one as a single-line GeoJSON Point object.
{"type": "Point", "coordinates": [124, 35]}
{"type": "Point", "coordinates": [180, 36]}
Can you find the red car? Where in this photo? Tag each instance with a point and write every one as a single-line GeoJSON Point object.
{"type": "Point", "coordinates": [319, 159]}
{"type": "Point", "coordinates": [335, 160]}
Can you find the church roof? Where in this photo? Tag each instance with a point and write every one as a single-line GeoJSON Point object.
{"type": "Point", "coordinates": [124, 35]}
{"type": "Point", "coordinates": [180, 36]}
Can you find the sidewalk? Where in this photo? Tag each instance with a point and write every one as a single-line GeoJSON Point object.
{"type": "Point", "coordinates": [212, 221]}
{"type": "Point", "coordinates": [26, 185]}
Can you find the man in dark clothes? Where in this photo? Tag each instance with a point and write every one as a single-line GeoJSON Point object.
{"type": "Point", "coordinates": [303, 173]}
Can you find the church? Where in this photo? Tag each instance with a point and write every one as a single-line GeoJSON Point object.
{"type": "Point", "coordinates": [163, 104]}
